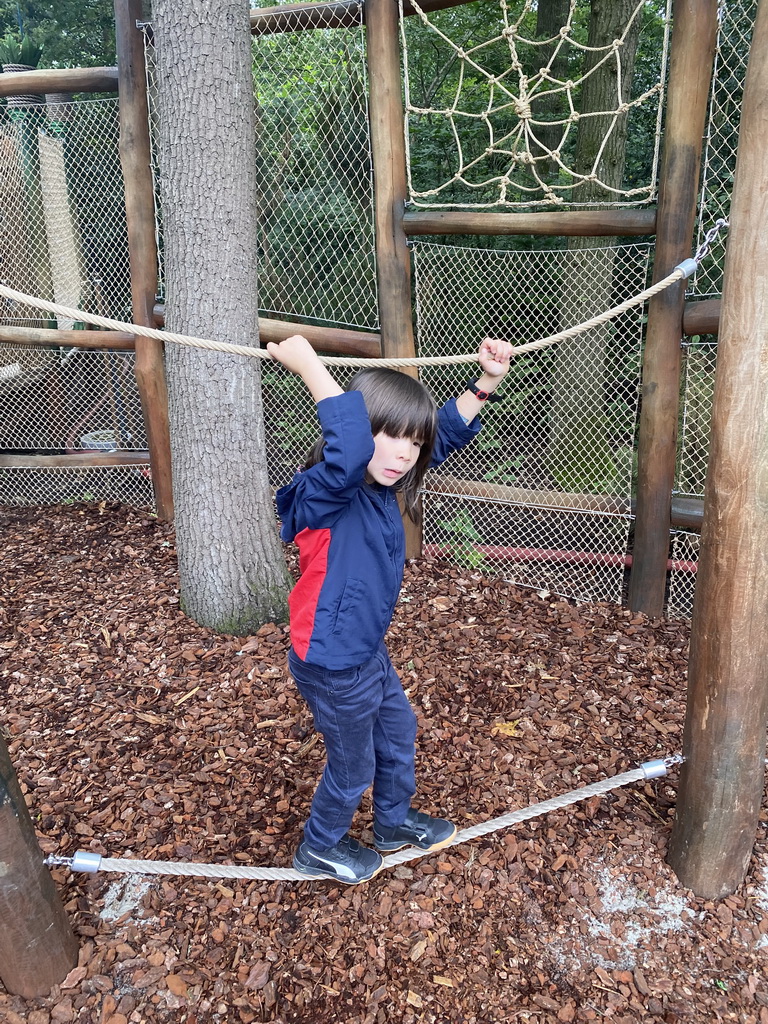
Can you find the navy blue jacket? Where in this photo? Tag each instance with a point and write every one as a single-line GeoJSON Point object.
{"type": "Point", "coordinates": [350, 536]}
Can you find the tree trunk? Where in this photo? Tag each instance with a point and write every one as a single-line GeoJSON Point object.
{"type": "Point", "coordinates": [233, 574]}
{"type": "Point", "coordinates": [551, 15]}
{"type": "Point", "coordinates": [580, 456]}
{"type": "Point", "coordinates": [37, 946]}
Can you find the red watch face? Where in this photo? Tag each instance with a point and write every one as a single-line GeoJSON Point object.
{"type": "Point", "coordinates": [482, 395]}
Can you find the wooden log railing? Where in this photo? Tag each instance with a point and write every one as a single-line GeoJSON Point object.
{"type": "Point", "coordinates": [45, 80]}
{"type": "Point", "coordinates": [75, 460]}
{"type": "Point", "coordinates": [552, 222]}
{"type": "Point", "coordinates": [338, 14]}
{"type": "Point", "coordinates": [686, 512]}
{"type": "Point", "coordinates": [701, 317]}
{"type": "Point", "coordinates": [39, 337]}
{"type": "Point", "coordinates": [333, 340]}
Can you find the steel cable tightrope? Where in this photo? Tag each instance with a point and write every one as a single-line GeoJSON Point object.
{"type": "Point", "coordinates": [87, 861]}
{"type": "Point", "coordinates": [681, 272]}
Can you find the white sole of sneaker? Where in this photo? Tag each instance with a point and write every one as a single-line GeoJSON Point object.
{"type": "Point", "coordinates": [424, 849]}
{"type": "Point", "coordinates": [319, 876]}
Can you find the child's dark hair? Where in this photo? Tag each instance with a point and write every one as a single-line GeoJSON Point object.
{"type": "Point", "coordinates": [399, 406]}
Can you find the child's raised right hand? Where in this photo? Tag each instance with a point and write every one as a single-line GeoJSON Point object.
{"type": "Point", "coordinates": [298, 356]}
{"type": "Point", "coordinates": [295, 353]}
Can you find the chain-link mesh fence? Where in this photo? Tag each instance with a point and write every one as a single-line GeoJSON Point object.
{"type": "Point", "coordinates": [698, 383]}
{"type": "Point", "coordinates": [64, 238]}
{"type": "Point", "coordinates": [315, 186]}
{"type": "Point", "coordinates": [562, 439]}
{"type": "Point", "coordinates": [736, 21]}
{"type": "Point", "coordinates": [682, 577]}
{"type": "Point", "coordinates": [64, 234]}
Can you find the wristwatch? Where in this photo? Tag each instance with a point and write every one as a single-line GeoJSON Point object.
{"type": "Point", "coordinates": [483, 396]}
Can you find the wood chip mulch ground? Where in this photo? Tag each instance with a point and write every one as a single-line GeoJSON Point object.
{"type": "Point", "coordinates": [135, 732]}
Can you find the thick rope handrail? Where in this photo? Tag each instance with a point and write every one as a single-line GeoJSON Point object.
{"type": "Point", "coordinates": [680, 272]}
{"type": "Point", "coordinates": [91, 862]}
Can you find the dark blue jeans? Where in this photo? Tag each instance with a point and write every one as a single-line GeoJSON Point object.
{"type": "Point", "coordinates": [369, 730]}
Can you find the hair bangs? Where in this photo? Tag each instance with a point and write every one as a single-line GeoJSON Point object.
{"type": "Point", "coordinates": [398, 405]}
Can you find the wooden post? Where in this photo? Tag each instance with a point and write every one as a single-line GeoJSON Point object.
{"type": "Point", "coordinates": [722, 779]}
{"type": "Point", "coordinates": [389, 171]}
{"type": "Point", "coordinates": [692, 55]}
{"type": "Point", "coordinates": [135, 158]}
{"type": "Point", "coordinates": [388, 150]}
{"type": "Point", "coordinates": [37, 946]}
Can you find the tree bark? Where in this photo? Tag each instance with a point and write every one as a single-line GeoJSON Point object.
{"type": "Point", "coordinates": [233, 574]}
{"type": "Point", "coordinates": [580, 455]}
{"type": "Point", "coordinates": [551, 15]}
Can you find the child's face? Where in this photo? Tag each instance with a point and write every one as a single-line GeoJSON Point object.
{"type": "Point", "coordinates": [392, 458]}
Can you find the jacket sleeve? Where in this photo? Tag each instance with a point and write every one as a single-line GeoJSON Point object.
{"type": "Point", "coordinates": [319, 494]}
{"type": "Point", "coordinates": [452, 432]}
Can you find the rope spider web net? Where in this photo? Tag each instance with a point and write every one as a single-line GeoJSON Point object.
{"type": "Point", "coordinates": [505, 110]}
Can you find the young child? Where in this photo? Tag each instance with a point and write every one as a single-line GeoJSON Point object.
{"type": "Point", "coordinates": [379, 437]}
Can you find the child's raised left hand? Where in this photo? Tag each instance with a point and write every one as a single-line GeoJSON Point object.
{"type": "Point", "coordinates": [494, 356]}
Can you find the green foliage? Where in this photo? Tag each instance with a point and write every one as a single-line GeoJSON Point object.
{"type": "Point", "coordinates": [71, 33]}
{"type": "Point", "coordinates": [15, 50]}
{"type": "Point", "coordinates": [463, 540]}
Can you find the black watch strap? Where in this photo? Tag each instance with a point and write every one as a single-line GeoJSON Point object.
{"type": "Point", "coordinates": [484, 396]}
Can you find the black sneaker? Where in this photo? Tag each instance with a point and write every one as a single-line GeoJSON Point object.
{"type": "Point", "coordinates": [418, 829]}
{"type": "Point", "coordinates": [346, 862]}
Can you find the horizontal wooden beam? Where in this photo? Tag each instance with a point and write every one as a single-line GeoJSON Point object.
{"type": "Point", "coordinates": [442, 483]}
{"type": "Point", "coordinates": [570, 223]}
{"type": "Point", "coordinates": [85, 460]}
{"type": "Point", "coordinates": [333, 340]}
{"type": "Point", "coordinates": [294, 17]}
{"type": "Point", "coordinates": [44, 338]}
{"type": "Point", "coordinates": [42, 81]}
{"type": "Point", "coordinates": [701, 317]}
{"type": "Point", "coordinates": [324, 339]}
{"type": "Point", "coordinates": [334, 14]}
{"type": "Point", "coordinates": [687, 513]}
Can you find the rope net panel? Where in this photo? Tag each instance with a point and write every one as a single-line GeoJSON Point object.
{"type": "Point", "coordinates": [492, 120]}
{"type": "Point", "coordinates": [64, 238]}
{"type": "Point", "coordinates": [315, 186]}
